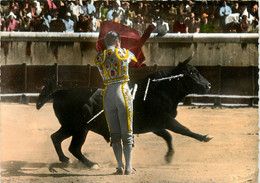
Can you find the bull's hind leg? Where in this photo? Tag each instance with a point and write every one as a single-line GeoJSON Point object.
{"type": "Point", "coordinates": [57, 139]}
{"type": "Point", "coordinates": [78, 139]}
{"type": "Point", "coordinates": [168, 138]}
{"type": "Point", "coordinates": [173, 125]}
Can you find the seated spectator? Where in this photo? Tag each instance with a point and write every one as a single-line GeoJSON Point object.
{"type": "Point", "coordinates": [11, 23]}
{"type": "Point", "coordinates": [206, 26]}
{"type": "Point", "coordinates": [192, 24]}
{"type": "Point", "coordinates": [179, 25]}
{"type": "Point", "coordinates": [84, 24]}
{"type": "Point", "coordinates": [69, 24]}
{"type": "Point", "coordinates": [243, 25]}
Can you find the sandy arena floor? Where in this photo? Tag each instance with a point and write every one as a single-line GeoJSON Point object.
{"type": "Point", "coordinates": [231, 157]}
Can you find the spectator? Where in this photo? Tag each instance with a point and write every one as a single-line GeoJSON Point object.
{"type": "Point", "coordinates": [103, 11]}
{"type": "Point", "coordinates": [94, 23]}
{"type": "Point", "coordinates": [126, 21]}
{"type": "Point", "coordinates": [51, 5]}
{"type": "Point", "coordinates": [179, 25]}
{"type": "Point", "coordinates": [14, 7]}
{"type": "Point", "coordinates": [139, 25]}
{"type": "Point", "coordinates": [75, 10]}
{"type": "Point", "coordinates": [84, 24]}
{"type": "Point", "coordinates": [254, 13]}
{"type": "Point", "coordinates": [11, 23]}
{"type": "Point", "coordinates": [162, 27]}
{"type": "Point", "coordinates": [206, 26]}
{"type": "Point", "coordinates": [90, 8]}
{"type": "Point", "coordinates": [46, 20]}
{"type": "Point", "coordinates": [192, 24]}
{"type": "Point", "coordinates": [69, 24]}
{"type": "Point", "coordinates": [25, 17]}
{"type": "Point", "coordinates": [224, 11]}
{"type": "Point", "coordinates": [110, 12]}
{"type": "Point", "coordinates": [244, 24]}
{"type": "Point", "coordinates": [236, 9]}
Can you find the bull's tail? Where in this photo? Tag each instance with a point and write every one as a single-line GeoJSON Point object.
{"type": "Point", "coordinates": [46, 93]}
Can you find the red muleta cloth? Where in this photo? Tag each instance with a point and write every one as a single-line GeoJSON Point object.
{"type": "Point", "coordinates": [130, 39]}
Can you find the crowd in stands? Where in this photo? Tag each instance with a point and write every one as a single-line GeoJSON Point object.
{"type": "Point", "coordinates": [168, 16]}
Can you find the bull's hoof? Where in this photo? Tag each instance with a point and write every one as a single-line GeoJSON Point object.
{"type": "Point", "coordinates": [207, 138]}
{"type": "Point", "coordinates": [168, 157]}
{"type": "Point", "coordinates": [65, 159]}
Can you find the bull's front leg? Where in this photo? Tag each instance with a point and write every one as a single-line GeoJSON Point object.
{"type": "Point", "coordinates": [168, 138]}
{"type": "Point", "coordinates": [176, 127]}
{"type": "Point", "coordinates": [78, 139]}
{"type": "Point", "coordinates": [57, 139]}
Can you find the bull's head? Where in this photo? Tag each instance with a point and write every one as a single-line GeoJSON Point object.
{"type": "Point", "coordinates": [46, 92]}
{"type": "Point", "coordinates": [194, 82]}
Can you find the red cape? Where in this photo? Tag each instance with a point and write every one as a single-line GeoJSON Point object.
{"type": "Point", "coordinates": [130, 39]}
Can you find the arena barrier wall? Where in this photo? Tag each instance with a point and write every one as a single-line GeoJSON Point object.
{"type": "Point", "coordinates": [228, 61]}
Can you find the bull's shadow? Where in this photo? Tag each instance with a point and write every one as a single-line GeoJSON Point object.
{"type": "Point", "coordinates": [155, 109]}
{"type": "Point", "coordinates": [23, 168]}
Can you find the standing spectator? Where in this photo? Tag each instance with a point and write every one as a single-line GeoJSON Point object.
{"type": "Point", "coordinates": [94, 23]}
{"type": "Point", "coordinates": [254, 13]}
{"type": "Point", "coordinates": [139, 25]}
{"type": "Point", "coordinates": [51, 5]}
{"type": "Point", "coordinates": [193, 24]}
{"type": "Point", "coordinates": [11, 23]}
{"type": "Point", "coordinates": [37, 7]}
{"type": "Point", "coordinates": [126, 21]}
{"type": "Point", "coordinates": [206, 26]}
{"type": "Point", "coordinates": [110, 12]}
{"type": "Point", "coordinates": [75, 10]}
{"type": "Point", "coordinates": [91, 8]}
{"type": "Point", "coordinates": [14, 7]}
{"type": "Point", "coordinates": [25, 17]}
{"type": "Point", "coordinates": [162, 27]}
{"type": "Point", "coordinates": [179, 25]}
{"type": "Point", "coordinates": [69, 24]}
{"type": "Point", "coordinates": [224, 11]}
{"type": "Point", "coordinates": [103, 11]}
{"type": "Point", "coordinates": [236, 8]}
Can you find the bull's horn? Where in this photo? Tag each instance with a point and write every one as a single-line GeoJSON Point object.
{"type": "Point", "coordinates": [188, 59]}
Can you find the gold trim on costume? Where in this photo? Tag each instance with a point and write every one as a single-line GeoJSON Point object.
{"type": "Point", "coordinates": [127, 54]}
{"type": "Point", "coordinates": [107, 81]}
{"type": "Point", "coordinates": [127, 108]}
{"type": "Point", "coordinates": [104, 91]}
{"type": "Point", "coordinates": [103, 59]}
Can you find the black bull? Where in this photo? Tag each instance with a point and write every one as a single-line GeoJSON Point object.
{"type": "Point", "coordinates": [75, 107]}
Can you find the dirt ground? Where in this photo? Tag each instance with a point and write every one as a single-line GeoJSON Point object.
{"type": "Point", "coordinates": [231, 157]}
